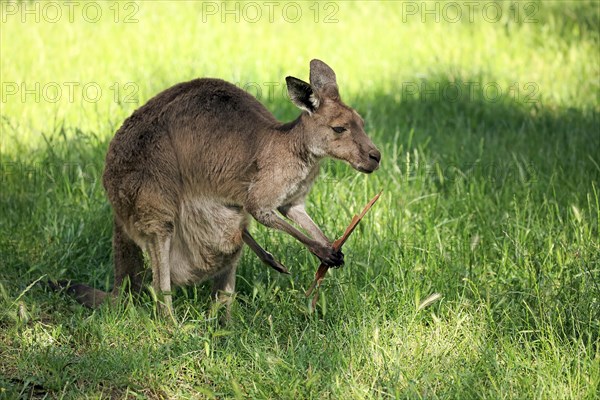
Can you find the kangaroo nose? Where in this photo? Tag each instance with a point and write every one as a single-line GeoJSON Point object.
{"type": "Point", "coordinates": [375, 155]}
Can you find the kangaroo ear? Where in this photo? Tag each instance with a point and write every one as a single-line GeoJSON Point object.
{"type": "Point", "coordinates": [302, 94]}
{"type": "Point", "coordinates": [323, 80]}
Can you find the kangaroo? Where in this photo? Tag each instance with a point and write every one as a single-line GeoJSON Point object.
{"type": "Point", "coordinates": [186, 171]}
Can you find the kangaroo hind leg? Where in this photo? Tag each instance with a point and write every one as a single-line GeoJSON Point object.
{"type": "Point", "coordinates": [223, 285]}
{"type": "Point", "coordinates": [159, 248]}
{"type": "Point", "coordinates": [128, 261]}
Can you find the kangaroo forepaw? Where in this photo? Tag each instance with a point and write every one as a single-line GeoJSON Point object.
{"type": "Point", "coordinates": [276, 265]}
{"type": "Point", "coordinates": [330, 257]}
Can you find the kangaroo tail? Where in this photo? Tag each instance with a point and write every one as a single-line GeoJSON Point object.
{"type": "Point", "coordinates": [86, 295]}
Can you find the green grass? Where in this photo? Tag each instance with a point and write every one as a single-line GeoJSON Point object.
{"type": "Point", "coordinates": [492, 201]}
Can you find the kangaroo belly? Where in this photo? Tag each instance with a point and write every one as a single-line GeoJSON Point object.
{"type": "Point", "coordinates": [206, 240]}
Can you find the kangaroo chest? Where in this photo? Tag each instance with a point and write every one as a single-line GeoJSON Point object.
{"type": "Point", "coordinates": [297, 187]}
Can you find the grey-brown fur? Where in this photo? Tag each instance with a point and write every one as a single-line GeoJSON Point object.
{"type": "Point", "coordinates": [187, 170]}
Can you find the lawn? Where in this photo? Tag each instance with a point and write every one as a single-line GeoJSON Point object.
{"type": "Point", "coordinates": [487, 115]}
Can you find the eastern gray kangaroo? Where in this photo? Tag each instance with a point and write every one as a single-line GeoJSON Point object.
{"type": "Point", "coordinates": [186, 170]}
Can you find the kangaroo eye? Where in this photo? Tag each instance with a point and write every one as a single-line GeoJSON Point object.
{"type": "Point", "coordinates": [338, 129]}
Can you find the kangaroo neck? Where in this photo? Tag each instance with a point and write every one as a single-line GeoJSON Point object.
{"type": "Point", "coordinates": [298, 137]}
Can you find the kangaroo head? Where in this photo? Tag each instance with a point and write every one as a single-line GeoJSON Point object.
{"type": "Point", "coordinates": [333, 128]}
